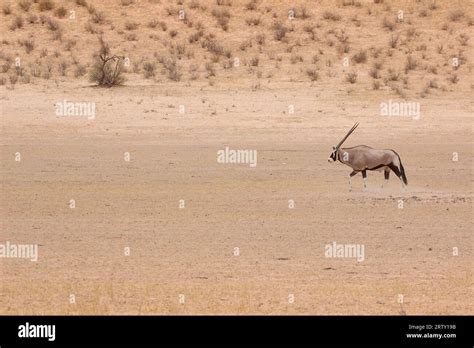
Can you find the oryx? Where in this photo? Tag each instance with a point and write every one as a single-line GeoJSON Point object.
{"type": "Point", "coordinates": [362, 158]}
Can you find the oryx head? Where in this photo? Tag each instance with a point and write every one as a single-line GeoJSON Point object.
{"type": "Point", "coordinates": [335, 149]}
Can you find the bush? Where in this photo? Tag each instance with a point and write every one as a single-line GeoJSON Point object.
{"type": "Point", "coordinates": [17, 23]}
{"type": "Point", "coordinates": [410, 64]}
{"type": "Point", "coordinates": [351, 77]}
{"type": "Point", "coordinates": [313, 74]}
{"type": "Point", "coordinates": [46, 5]}
{"type": "Point", "coordinates": [280, 31]}
{"type": "Point", "coordinates": [6, 9]}
{"type": "Point", "coordinates": [25, 5]}
{"type": "Point", "coordinates": [331, 16]}
{"type": "Point", "coordinates": [149, 70]}
{"type": "Point", "coordinates": [360, 57]}
{"type": "Point", "coordinates": [60, 12]}
{"type": "Point", "coordinates": [107, 69]}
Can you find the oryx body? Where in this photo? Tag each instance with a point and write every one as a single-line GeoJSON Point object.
{"type": "Point", "coordinates": [363, 158]}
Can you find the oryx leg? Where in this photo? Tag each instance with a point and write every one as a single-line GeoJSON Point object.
{"type": "Point", "coordinates": [386, 174]}
{"type": "Point", "coordinates": [350, 176]}
{"type": "Point", "coordinates": [364, 176]}
{"type": "Point", "coordinates": [395, 169]}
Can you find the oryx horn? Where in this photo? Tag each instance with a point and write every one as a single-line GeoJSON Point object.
{"type": "Point", "coordinates": [347, 135]}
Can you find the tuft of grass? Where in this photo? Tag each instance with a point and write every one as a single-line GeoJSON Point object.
{"type": "Point", "coordinates": [251, 5]}
{"type": "Point", "coordinates": [171, 69]}
{"type": "Point", "coordinates": [46, 5]}
{"type": "Point", "coordinates": [360, 57]}
{"type": "Point", "coordinates": [223, 17]}
{"type": "Point", "coordinates": [351, 77]}
{"type": "Point", "coordinates": [393, 42]}
{"type": "Point", "coordinates": [388, 24]}
{"type": "Point", "coordinates": [17, 23]}
{"type": "Point", "coordinates": [60, 12]}
{"type": "Point", "coordinates": [29, 45]}
{"type": "Point", "coordinates": [280, 30]}
{"type": "Point", "coordinates": [456, 15]}
{"type": "Point", "coordinates": [453, 78]}
{"type": "Point", "coordinates": [25, 5]}
{"type": "Point", "coordinates": [80, 71]}
{"type": "Point", "coordinates": [6, 9]}
{"type": "Point", "coordinates": [52, 25]}
{"type": "Point", "coordinates": [149, 70]}
{"type": "Point", "coordinates": [410, 64]}
{"type": "Point", "coordinates": [253, 21]}
{"type": "Point", "coordinates": [331, 16]}
{"type": "Point", "coordinates": [312, 74]}
{"type": "Point", "coordinates": [131, 26]}
{"type": "Point", "coordinates": [98, 17]}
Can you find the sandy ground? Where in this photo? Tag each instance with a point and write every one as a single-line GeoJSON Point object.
{"type": "Point", "coordinates": [190, 251]}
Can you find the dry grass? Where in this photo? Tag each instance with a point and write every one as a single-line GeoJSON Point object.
{"type": "Point", "coordinates": [260, 35]}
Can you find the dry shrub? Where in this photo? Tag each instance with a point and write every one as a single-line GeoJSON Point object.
{"type": "Point", "coordinates": [280, 30]}
{"type": "Point", "coordinates": [29, 45]}
{"type": "Point", "coordinates": [25, 5]}
{"type": "Point", "coordinates": [251, 5]}
{"type": "Point", "coordinates": [98, 17]}
{"type": "Point", "coordinates": [260, 39]}
{"type": "Point", "coordinates": [453, 78]}
{"type": "Point", "coordinates": [224, 2]}
{"type": "Point", "coordinates": [32, 18]}
{"type": "Point", "coordinates": [393, 42]}
{"type": "Point", "coordinates": [456, 15]}
{"type": "Point", "coordinates": [149, 70]}
{"type": "Point", "coordinates": [255, 21]}
{"type": "Point", "coordinates": [331, 16]}
{"type": "Point", "coordinates": [17, 23]}
{"type": "Point", "coordinates": [312, 74]}
{"type": "Point", "coordinates": [195, 37]}
{"type": "Point", "coordinates": [62, 68]}
{"type": "Point", "coordinates": [52, 25]}
{"type": "Point", "coordinates": [131, 25]}
{"type": "Point", "coordinates": [210, 70]}
{"type": "Point", "coordinates": [388, 24]}
{"type": "Point", "coordinates": [107, 69]}
{"type": "Point", "coordinates": [60, 12]}
{"type": "Point", "coordinates": [6, 9]}
{"type": "Point", "coordinates": [360, 57]}
{"type": "Point", "coordinates": [374, 73]}
{"type": "Point", "coordinates": [171, 68]}
{"type": "Point", "coordinates": [302, 13]}
{"type": "Point", "coordinates": [393, 75]}
{"type": "Point", "coordinates": [351, 77]}
{"type": "Point", "coordinates": [46, 5]}
{"type": "Point", "coordinates": [223, 17]}
{"type": "Point", "coordinates": [80, 71]}
{"type": "Point", "coordinates": [410, 64]}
